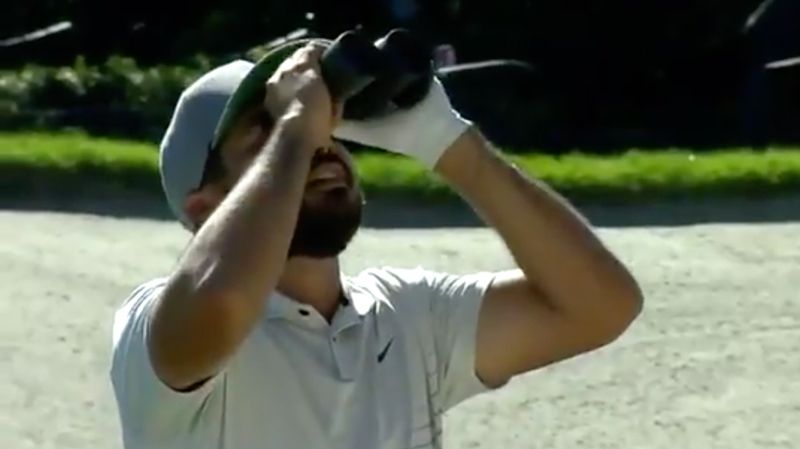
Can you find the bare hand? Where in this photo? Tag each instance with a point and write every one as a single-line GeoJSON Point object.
{"type": "Point", "coordinates": [297, 87]}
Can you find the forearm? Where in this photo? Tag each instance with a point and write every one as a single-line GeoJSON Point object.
{"type": "Point", "coordinates": [219, 289]}
{"type": "Point", "coordinates": [242, 248]}
{"type": "Point", "coordinates": [551, 242]}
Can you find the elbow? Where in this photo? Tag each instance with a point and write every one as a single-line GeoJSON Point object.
{"type": "Point", "coordinates": [191, 335]}
{"type": "Point", "coordinates": [622, 306]}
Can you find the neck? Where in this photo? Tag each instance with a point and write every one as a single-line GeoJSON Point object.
{"type": "Point", "coordinates": [315, 282]}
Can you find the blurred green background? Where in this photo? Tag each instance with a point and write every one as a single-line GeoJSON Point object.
{"type": "Point", "coordinates": [598, 75]}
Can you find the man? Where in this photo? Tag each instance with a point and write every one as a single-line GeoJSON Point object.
{"type": "Point", "coordinates": [257, 340]}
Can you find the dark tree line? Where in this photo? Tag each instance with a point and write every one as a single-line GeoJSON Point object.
{"type": "Point", "coordinates": [665, 69]}
{"type": "Point", "coordinates": [628, 31]}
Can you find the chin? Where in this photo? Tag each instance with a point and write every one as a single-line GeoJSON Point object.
{"type": "Point", "coordinates": [327, 225]}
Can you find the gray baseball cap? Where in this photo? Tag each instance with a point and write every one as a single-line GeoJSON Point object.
{"type": "Point", "coordinates": [203, 117]}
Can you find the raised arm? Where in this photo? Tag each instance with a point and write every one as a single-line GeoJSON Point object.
{"type": "Point", "coordinates": [570, 294]}
{"type": "Point", "coordinates": [215, 296]}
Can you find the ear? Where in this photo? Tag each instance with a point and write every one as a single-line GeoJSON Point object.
{"type": "Point", "coordinates": [200, 204]}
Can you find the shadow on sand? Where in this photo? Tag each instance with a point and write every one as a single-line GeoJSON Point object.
{"type": "Point", "coordinates": [387, 214]}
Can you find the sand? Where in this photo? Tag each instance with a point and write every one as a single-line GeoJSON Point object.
{"type": "Point", "coordinates": [713, 362]}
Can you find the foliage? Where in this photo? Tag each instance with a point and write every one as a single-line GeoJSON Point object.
{"type": "Point", "coordinates": [610, 73]}
{"type": "Point", "coordinates": [118, 97]}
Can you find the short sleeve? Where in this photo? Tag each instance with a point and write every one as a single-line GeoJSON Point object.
{"type": "Point", "coordinates": [455, 303]}
{"type": "Point", "coordinates": [149, 409]}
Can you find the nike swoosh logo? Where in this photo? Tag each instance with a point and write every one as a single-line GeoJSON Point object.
{"type": "Point", "coordinates": [382, 354]}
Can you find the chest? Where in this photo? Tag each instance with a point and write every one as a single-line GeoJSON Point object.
{"type": "Point", "coordinates": [368, 386]}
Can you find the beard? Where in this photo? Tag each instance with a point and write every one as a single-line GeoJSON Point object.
{"type": "Point", "coordinates": [325, 228]}
{"type": "Point", "coordinates": [327, 223]}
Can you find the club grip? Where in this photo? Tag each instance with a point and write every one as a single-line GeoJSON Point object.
{"type": "Point", "coordinates": [349, 65]}
{"type": "Point", "coordinates": [375, 79]}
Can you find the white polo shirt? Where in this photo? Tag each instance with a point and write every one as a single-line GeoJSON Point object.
{"type": "Point", "coordinates": [379, 376]}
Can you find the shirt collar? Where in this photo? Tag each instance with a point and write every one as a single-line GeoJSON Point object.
{"type": "Point", "coordinates": [352, 307]}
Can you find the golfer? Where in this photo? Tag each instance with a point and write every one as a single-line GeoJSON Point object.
{"type": "Point", "coordinates": [257, 340]}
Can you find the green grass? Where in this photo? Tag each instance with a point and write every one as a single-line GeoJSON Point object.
{"type": "Point", "coordinates": [63, 163]}
{"type": "Point", "coordinates": [71, 163]}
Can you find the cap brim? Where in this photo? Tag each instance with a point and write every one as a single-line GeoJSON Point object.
{"type": "Point", "coordinates": [253, 85]}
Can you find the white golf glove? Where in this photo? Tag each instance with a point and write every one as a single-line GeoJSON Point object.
{"type": "Point", "coordinates": [423, 132]}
